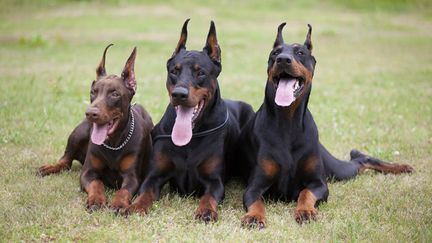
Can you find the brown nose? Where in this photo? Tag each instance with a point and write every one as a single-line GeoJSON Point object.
{"type": "Point", "coordinates": [92, 113]}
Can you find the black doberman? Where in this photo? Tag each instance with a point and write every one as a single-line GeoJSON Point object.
{"type": "Point", "coordinates": [113, 143]}
{"type": "Point", "coordinates": [195, 141]}
{"type": "Point", "coordinates": [285, 157]}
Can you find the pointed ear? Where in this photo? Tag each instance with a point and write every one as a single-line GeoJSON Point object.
{"type": "Point", "coordinates": [212, 47]}
{"type": "Point", "coordinates": [183, 38]}
{"type": "Point", "coordinates": [279, 38]}
{"type": "Point", "coordinates": [128, 73]}
{"type": "Point", "coordinates": [100, 70]}
{"type": "Point", "coordinates": [308, 42]}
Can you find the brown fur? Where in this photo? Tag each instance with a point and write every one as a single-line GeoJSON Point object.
{"type": "Point", "coordinates": [310, 164]}
{"type": "Point", "coordinates": [121, 199]}
{"type": "Point", "coordinates": [143, 203]}
{"type": "Point", "coordinates": [255, 215]}
{"type": "Point", "coordinates": [96, 194]}
{"type": "Point", "coordinates": [128, 162]}
{"type": "Point", "coordinates": [270, 167]}
{"type": "Point", "coordinates": [207, 208]}
{"type": "Point", "coordinates": [305, 208]}
{"type": "Point", "coordinates": [163, 162]}
{"type": "Point", "coordinates": [209, 166]}
{"type": "Point", "coordinates": [96, 162]}
{"type": "Point", "coordinates": [387, 168]}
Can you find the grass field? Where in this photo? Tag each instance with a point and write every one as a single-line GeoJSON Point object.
{"type": "Point", "coordinates": [372, 91]}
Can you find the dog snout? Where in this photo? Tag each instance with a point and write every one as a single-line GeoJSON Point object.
{"type": "Point", "coordinates": [92, 113]}
{"type": "Point", "coordinates": [180, 94]}
{"type": "Point", "coordinates": [284, 59]}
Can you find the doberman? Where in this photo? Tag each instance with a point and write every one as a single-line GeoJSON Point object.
{"type": "Point", "coordinates": [113, 143]}
{"type": "Point", "coordinates": [195, 141]}
{"type": "Point", "coordinates": [285, 157]}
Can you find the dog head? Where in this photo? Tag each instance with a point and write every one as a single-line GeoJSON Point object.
{"type": "Point", "coordinates": [192, 82]}
{"type": "Point", "coordinates": [110, 97]}
{"type": "Point", "coordinates": [290, 68]}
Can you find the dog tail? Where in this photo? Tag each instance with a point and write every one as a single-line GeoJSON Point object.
{"type": "Point", "coordinates": [344, 170]}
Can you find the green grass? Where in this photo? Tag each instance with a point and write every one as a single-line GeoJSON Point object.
{"type": "Point", "coordinates": [372, 91]}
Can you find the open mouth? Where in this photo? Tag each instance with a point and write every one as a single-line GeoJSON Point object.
{"type": "Point", "coordinates": [197, 111]}
{"type": "Point", "coordinates": [288, 88]}
{"type": "Point", "coordinates": [285, 77]}
{"type": "Point", "coordinates": [101, 132]}
{"type": "Point", "coordinates": [185, 122]}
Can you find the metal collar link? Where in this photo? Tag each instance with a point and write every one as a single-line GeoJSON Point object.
{"type": "Point", "coordinates": [131, 130]}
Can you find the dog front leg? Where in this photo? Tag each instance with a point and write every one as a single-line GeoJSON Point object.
{"type": "Point", "coordinates": [147, 194]}
{"type": "Point", "coordinates": [95, 190]}
{"type": "Point", "coordinates": [129, 185]}
{"type": "Point", "coordinates": [160, 172]}
{"type": "Point", "coordinates": [210, 172]}
{"type": "Point", "coordinates": [263, 178]}
{"type": "Point", "coordinates": [214, 193]}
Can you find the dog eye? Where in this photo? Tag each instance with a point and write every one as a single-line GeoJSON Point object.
{"type": "Point", "coordinates": [275, 53]}
{"type": "Point", "coordinates": [201, 74]}
{"type": "Point", "coordinates": [174, 72]}
{"type": "Point", "coordinates": [300, 53]}
{"type": "Point", "coordinates": [115, 94]}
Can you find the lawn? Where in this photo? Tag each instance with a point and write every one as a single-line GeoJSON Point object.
{"type": "Point", "coordinates": [372, 91]}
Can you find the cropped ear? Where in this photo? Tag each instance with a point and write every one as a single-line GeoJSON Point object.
{"type": "Point", "coordinates": [279, 38]}
{"type": "Point", "coordinates": [128, 73]}
{"type": "Point", "coordinates": [181, 45]}
{"type": "Point", "coordinates": [212, 47]}
{"type": "Point", "coordinates": [100, 70]}
{"type": "Point", "coordinates": [308, 42]}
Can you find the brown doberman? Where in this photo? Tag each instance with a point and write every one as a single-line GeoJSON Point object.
{"type": "Point", "coordinates": [113, 143]}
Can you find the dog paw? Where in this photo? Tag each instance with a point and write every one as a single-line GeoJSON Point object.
{"type": "Point", "coordinates": [120, 201]}
{"type": "Point", "coordinates": [253, 221]}
{"type": "Point", "coordinates": [51, 169]}
{"type": "Point", "coordinates": [134, 208]}
{"type": "Point", "coordinates": [403, 168]}
{"type": "Point", "coordinates": [95, 202]}
{"type": "Point", "coordinates": [305, 215]}
{"type": "Point", "coordinates": [206, 215]}
{"type": "Point", "coordinates": [117, 206]}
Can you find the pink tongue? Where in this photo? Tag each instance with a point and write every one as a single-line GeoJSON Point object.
{"type": "Point", "coordinates": [99, 133]}
{"type": "Point", "coordinates": [182, 130]}
{"type": "Point", "coordinates": [285, 92]}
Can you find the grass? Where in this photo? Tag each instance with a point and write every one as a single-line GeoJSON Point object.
{"type": "Point", "coordinates": [372, 91]}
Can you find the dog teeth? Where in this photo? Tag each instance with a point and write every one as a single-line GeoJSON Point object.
{"type": "Point", "coordinates": [296, 85]}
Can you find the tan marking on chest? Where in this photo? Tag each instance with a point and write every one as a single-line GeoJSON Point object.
{"type": "Point", "coordinates": [310, 164]}
{"type": "Point", "coordinates": [96, 163]}
{"type": "Point", "coordinates": [209, 166]}
{"type": "Point", "coordinates": [270, 167]}
{"type": "Point", "coordinates": [128, 162]}
{"type": "Point", "coordinates": [163, 161]}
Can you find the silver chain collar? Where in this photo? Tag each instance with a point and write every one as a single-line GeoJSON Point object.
{"type": "Point", "coordinates": [131, 130]}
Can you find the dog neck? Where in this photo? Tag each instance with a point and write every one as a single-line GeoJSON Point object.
{"type": "Point", "coordinates": [213, 114]}
{"type": "Point", "coordinates": [122, 131]}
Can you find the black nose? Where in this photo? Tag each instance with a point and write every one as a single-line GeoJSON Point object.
{"type": "Point", "coordinates": [180, 93]}
{"type": "Point", "coordinates": [283, 58]}
{"type": "Point", "coordinates": [92, 113]}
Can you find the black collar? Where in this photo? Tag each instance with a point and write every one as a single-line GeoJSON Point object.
{"type": "Point", "coordinates": [199, 134]}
